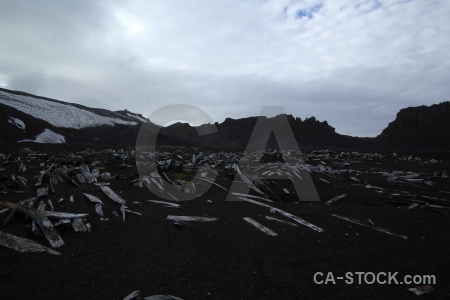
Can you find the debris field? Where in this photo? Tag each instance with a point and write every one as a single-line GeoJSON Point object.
{"type": "Point", "coordinates": [203, 224]}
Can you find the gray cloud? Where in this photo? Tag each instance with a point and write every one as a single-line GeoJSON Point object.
{"type": "Point", "coordinates": [352, 64]}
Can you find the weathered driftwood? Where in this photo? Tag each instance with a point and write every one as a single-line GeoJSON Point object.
{"type": "Point", "coordinates": [88, 177]}
{"type": "Point", "coordinates": [165, 203]}
{"type": "Point", "coordinates": [413, 205]}
{"type": "Point", "coordinates": [286, 214]}
{"type": "Point", "coordinates": [132, 295]}
{"type": "Point", "coordinates": [189, 187]}
{"type": "Point", "coordinates": [93, 199]}
{"type": "Point", "coordinates": [170, 181]}
{"type": "Point", "coordinates": [260, 226]}
{"type": "Point", "coordinates": [34, 229]}
{"type": "Point", "coordinates": [436, 200]}
{"type": "Point", "coordinates": [78, 225]}
{"type": "Point", "coordinates": [335, 199]}
{"type": "Point", "coordinates": [81, 178]}
{"type": "Point", "coordinates": [74, 182]}
{"type": "Point", "coordinates": [99, 209]}
{"type": "Point", "coordinates": [371, 226]}
{"type": "Point", "coordinates": [62, 222]}
{"type": "Point", "coordinates": [42, 191]}
{"type": "Point", "coordinates": [281, 221]}
{"type": "Point", "coordinates": [49, 214]}
{"type": "Point", "coordinates": [122, 209]}
{"type": "Point", "coordinates": [111, 195]}
{"type": "Point", "coordinates": [22, 182]}
{"type": "Point", "coordinates": [132, 212]}
{"type": "Point", "coordinates": [22, 244]}
{"type": "Point", "coordinates": [421, 290]}
{"type": "Point", "coordinates": [41, 206]}
{"type": "Point", "coordinates": [46, 227]}
{"type": "Point", "coordinates": [18, 205]}
{"type": "Point", "coordinates": [190, 218]}
{"type": "Point", "coordinates": [249, 182]}
{"type": "Point", "coordinates": [50, 204]}
{"type": "Point", "coordinates": [39, 182]}
{"type": "Point", "coordinates": [50, 187]}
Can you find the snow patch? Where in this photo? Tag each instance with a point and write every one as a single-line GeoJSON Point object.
{"type": "Point", "coordinates": [137, 117]}
{"type": "Point", "coordinates": [58, 114]}
{"type": "Point", "coordinates": [48, 137]}
{"type": "Point", "coordinates": [17, 122]}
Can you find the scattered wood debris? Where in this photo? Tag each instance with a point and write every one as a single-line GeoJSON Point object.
{"type": "Point", "coordinates": [295, 218]}
{"type": "Point", "coordinates": [85, 168]}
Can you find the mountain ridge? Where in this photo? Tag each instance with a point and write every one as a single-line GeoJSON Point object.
{"type": "Point", "coordinates": [414, 128]}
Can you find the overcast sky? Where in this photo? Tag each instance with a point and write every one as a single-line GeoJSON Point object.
{"type": "Point", "coordinates": [351, 63]}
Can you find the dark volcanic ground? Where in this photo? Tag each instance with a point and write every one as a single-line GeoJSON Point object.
{"type": "Point", "coordinates": [229, 258]}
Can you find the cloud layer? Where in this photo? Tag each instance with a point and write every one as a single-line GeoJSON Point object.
{"type": "Point", "coordinates": [353, 64]}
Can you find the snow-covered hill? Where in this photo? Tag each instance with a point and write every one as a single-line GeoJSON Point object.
{"type": "Point", "coordinates": [60, 114]}
{"type": "Point", "coordinates": [29, 118]}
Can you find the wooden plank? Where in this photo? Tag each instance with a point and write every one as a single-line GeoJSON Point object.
{"type": "Point", "coordinates": [18, 205]}
{"type": "Point", "coordinates": [111, 195]}
{"type": "Point", "coordinates": [371, 226]}
{"type": "Point", "coordinates": [281, 221]}
{"type": "Point", "coordinates": [165, 203]}
{"type": "Point", "coordinates": [47, 228]}
{"type": "Point", "coordinates": [49, 214]}
{"type": "Point", "coordinates": [78, 225]}
{"type": "Point", "coordinates": [260, 226]}
{"type": "Point", "coordinates": [335, 199]}
{"type": "Point", "coordinates": [93, 199]}
{"type": "Point", "coordinates": [23, 245]}
{"type": "Point", "coordinates": [190, 218]}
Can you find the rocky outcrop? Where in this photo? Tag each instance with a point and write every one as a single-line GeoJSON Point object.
{"type": "Point", "coordinates": [419, 128]}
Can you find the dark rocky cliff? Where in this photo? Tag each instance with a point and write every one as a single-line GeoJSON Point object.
{"type": "Point", "coordinates": [421, 128]}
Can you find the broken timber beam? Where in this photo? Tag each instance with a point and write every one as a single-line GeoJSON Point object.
{"type": "Point", "coordinates": [46, 227]}
{"type": "Point", "coordinates": [49, 214]}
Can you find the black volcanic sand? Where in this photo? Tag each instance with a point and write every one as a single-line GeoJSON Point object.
{"type": "Point", "coordinates": [229, 258]}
